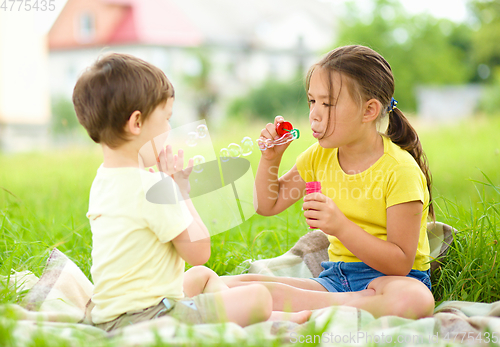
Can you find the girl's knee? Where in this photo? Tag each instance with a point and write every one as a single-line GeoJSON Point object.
{"type": "Point", "coordinates": [414, 303]}
{"type": "Point", "coordinates": [427, 304]}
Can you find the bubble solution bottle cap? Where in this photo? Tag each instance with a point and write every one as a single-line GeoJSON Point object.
{"type": "Point", "coordinates": [283, 128]}
{"type": "Point", "coordinates": [313, 187]}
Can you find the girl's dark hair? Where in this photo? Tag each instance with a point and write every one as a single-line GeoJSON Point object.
{"type": "Point", "coordinates": [369, 76]}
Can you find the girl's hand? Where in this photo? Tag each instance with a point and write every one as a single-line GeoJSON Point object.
{"type": "Point", "coordinates": [173, 165]}
{"type": "Point", "coordinates": [269, 132]}
{"type": "Point", "coordinates": [322, 213]}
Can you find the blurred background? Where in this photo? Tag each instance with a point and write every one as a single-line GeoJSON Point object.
{"type": "Point", "coordinates": [234, 59]}
{"type": "Point", "coordinates": [237, 64]}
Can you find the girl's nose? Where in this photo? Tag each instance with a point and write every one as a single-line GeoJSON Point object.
{"type": "Point", "coordinates": [313, 114]}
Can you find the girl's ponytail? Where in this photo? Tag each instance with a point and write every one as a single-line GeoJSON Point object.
{"type": "Point", "coordinates": [402, 133]}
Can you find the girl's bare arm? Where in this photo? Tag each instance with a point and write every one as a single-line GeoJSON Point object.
{"type": "Point", "coordinates": [394, 256]}
{"type": "Point", "coordinates": [274, 195]}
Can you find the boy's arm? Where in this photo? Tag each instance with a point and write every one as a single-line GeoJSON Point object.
{"type": "Point", "coordinates": [193, 244]}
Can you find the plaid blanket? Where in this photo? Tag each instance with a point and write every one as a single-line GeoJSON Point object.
{"type": "Point", "coordinates": [56, 307]}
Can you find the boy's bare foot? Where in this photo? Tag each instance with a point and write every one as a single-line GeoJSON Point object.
{"type": "Point", "coordinates": [295, 317]}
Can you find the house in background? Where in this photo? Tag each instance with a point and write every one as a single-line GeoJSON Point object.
{"type": "Point", "coordinates": [448, 103]}
{"type": "Point", "coordinates": [24, 84]}
{"type": "Point", "coordinates": [226, 46]}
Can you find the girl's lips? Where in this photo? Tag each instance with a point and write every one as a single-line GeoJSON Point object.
{"type": "Point", "coordinates": [316, 134]}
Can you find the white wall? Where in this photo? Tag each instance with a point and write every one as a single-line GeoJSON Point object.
{"type": "Point", "coordinates": [24, 92]}
{"type": "Point", "coordinates": [24, 85]}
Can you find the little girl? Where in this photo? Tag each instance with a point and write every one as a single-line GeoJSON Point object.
{"type": "Point", "coordinates": [375, 196]}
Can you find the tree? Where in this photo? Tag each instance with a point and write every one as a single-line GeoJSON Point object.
{"type": "Point", "coordinates": [420, 48]}
{"type": "Point", "coordinates": [272, 98]}
{"type": "Point", "coordinates": [64, 119]}
{"type": "Point", "coordinates": [486, 40]}
{"type": "Point", "coordinates": [198, 79]}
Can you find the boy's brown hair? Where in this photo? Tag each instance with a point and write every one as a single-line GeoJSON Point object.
{"type": "Point", "coordinates": [109, 91]}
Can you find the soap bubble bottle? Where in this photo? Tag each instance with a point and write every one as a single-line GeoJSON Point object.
{"type": "Point", "coordinates": [313, 187]}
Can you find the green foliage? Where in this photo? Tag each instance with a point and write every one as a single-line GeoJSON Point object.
{"type": "Point", "coordinates": [470, 272]}
{"type": "Point", "coordinates": [7, 326]}
{"type": "Point", "coordinates": [48, 210]}
{"type": "Point", "coordinates": [200, 85]}
{"type": "Point", "coordinates": [485, 41]}
{"type": "Point", "coordinates": [490, 102]}
{"type": "Point", "coordinates": [63, 116]}
{"type": "Point", "coordinates": [420, 48]}
{"type": "Point", "coordinates": [270, 99]}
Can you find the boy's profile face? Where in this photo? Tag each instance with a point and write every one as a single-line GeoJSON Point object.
{"type": "Point", "coordinates": [156, 127]}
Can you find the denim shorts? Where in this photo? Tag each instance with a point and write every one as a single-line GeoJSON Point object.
{"type": "Point", "coordinates": [355, 276]}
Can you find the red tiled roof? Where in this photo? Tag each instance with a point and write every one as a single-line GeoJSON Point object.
{"type": "Point", "coordinates": [154, 22]}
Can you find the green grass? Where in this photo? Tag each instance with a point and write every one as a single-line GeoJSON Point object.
{"type": "Point", "coordinates": [44, 199]}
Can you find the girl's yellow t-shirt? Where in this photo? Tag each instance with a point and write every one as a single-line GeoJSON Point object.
{"type": "Point", "coordinates": [364, 197]}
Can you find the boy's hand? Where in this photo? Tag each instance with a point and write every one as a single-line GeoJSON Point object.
{"type": "Point", "coordinates": [173, 165]}
{"type": "Point", "coordinates": [322, 213]}
{"type": "Point", "coordinates": [269, 132]}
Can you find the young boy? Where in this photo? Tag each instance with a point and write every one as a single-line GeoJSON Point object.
{"type": "Point", "coordinates": [139, 247]}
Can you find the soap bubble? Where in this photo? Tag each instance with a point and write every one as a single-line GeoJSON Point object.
{"type": "Point", "coordinates": [234, 150]}
{"type": "Point", "coordinates": [191, 141]}
{"type": "Point", "coordinates": [198, 160]}
{"type": "Point", "coordinates": [224, 154]}
{"type": "Point", "coordinates": [202, 130]}
{"type": "Point", "coordinates": [246, 146]}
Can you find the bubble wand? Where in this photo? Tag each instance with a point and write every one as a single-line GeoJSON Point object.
{"type": "Point", "coordinates": [286, 133]}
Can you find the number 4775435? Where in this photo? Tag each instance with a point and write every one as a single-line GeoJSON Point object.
{"type": "Point", "coordinates": [27, 5]}
{"type": "Point", "coordinates": [479, 337]}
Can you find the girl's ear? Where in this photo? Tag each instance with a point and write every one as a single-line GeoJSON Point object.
{"type": "Point", "coordinates": [372, 110]}
{"type": "Point", "coordinates": [134, 123]}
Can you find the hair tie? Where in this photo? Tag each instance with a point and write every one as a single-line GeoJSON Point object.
{"type": "Point", "coordinates": [392, 106]}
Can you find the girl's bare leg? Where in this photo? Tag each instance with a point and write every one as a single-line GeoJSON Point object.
{"type": "Point", "coordinates": [291, 299]}
{"type": "Point", "coordinates": [398, 296]}
{"type": "Point", "coordinates": [388, 295]}
{"type": "Point", "coordinates": [303, 283]}
{"type": "Point", "coordinates": [256, 306]}
{"type": "Point", "coordinates": [296, 294]}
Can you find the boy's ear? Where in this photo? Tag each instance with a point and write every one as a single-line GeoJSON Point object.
{"type": "Point", "coordinates": [134, 123]}
{"type": "Point", "coordinates": [372, 110]}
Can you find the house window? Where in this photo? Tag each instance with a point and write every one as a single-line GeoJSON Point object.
{"type": "Point", "coordinates": [86, 27]}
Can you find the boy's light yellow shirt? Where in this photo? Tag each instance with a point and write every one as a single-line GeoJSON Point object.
{"type": "Point", "coordinates": [134, 264]}
{"type": "Point", "coordinates": [364, 197]}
